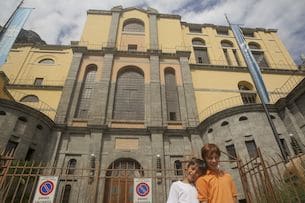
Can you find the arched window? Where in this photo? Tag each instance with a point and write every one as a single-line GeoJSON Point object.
{"type": "Point", "coordinates": [254, 45]}
{"type": "Point", "coordinates": [20, 125]}
{"type": "Point", "coordinates": [71, 166]}
{"type": "Point", "coordinates": [2, 113]}
{"type": "Point", "coordinates": [133, 25]}
{"type": "Point", "coordinates": [258, 54]}
{"type": "Point", "coordinates": [200, 51]}
{"type": "Point", "coordinates": [118, 176]}
{"type": "Point", "coordinates": [247, 96]}
{"type": "Point", "coordinates": [171, 94]}
{"type": "Point", "coordinates": [29, 98]}
{"type": "Point", "coordinates": [66, 194]}
{"type": "Point", "coordinates": [225, 44]}
{"type": "Point", "coordinates": [86, 92]}
{"type": "Point", "coordinates": [198, 42]}
{"type": "Point", "coordinates": [178, 168]}
{"type": "Point", "coordinates": [47, 61]}
{"type": "Point", "coordinates": [129, 95]}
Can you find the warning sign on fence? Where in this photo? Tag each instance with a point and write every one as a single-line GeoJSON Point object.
{"type": "Point", "coordinates": [142, 190]}
{"type": "Point", "coordinates": [46, 188]}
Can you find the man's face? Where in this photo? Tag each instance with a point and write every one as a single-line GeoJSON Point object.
{"type": "Point", "coordinates": [212, 161]}
{"type": "Point", "coordinates": [192, 173]}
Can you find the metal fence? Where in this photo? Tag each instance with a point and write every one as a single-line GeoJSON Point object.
{"type": "Point", "coordinates": [264, 179]}
{"type": "Point", "coordinates": [271, 179]}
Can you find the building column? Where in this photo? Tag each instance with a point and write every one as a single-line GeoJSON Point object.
{"type": "Point", "coordinates": [99, 101]}
{"type": "Point", "coordinates": [188, 90]}
{"type": "Point", "coordinates": [68, 90]}
{"type": "Point", "coordinates": [113, 31]}
{"type": "Point", "coordinates": [158, 153]}
{"type": "Point", "coordinates": [155, 111]}
{"type": "Point", "coordinates": [293, 127]}
{"type": "Point", "coordinates": [153, 29]}
{"type": "Point", "coordinates": [197, 143]}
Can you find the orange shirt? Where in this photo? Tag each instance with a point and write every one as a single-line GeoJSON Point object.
{"type": "Point", "coordinates": [216, 188]}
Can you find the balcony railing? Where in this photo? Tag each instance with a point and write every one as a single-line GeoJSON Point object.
{"type": "Point", "coordinates": [40, 105]}
{"type": "Point", "coordinates": [251, 98]}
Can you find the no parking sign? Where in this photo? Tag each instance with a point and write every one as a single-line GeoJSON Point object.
{"type": "Point", "coordinates": [46, 189]}
{"type": "Point", "coordinates": [142, 190]}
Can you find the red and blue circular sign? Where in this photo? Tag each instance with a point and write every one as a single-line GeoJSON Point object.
{"type": "Point", "coordinates": [46, 187]}
{"type": "Point", "coordinates": [142, 189]}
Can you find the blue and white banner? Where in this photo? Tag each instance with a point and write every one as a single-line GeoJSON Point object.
{"type": "Point", "coordinates": [253, 67]}
{"type": "Point", "coordinates": [11, 32]}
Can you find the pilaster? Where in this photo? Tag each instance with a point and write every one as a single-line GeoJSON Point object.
{"type": "Point", "coordinates": [191, 108]}
{"type": "Point", "coordinates": [98, 110]}
{"type": "Point", "coordinates": [68, 90]}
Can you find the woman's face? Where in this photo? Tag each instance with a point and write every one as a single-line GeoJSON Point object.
{"type": "Point", "coordinates": [212, 161]}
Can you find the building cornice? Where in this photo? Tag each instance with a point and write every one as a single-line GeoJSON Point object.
{"type": "Point", "coordinates": [244, 69]}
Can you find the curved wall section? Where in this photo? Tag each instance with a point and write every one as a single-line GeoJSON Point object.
{"type": "Point", "coordinates": [25, 132]}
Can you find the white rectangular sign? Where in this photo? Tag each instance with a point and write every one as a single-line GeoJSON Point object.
{"type": "Point", "coordinates": [46, 188]}
{"type": "Point", "coordinates": [142, 190]}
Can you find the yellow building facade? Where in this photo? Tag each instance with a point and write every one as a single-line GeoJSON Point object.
{"type": "Point", "coordinates": [144, 90]}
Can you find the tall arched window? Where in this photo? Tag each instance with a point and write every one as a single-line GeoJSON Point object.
{"type": "Point", "coordinates": [29, 98]}
{"type": "Point", "coordinates": [66, 194]}
{"type": "Point", "coordinates": [129, 95]}
{"type": "Point", "coordinates": [86, 92]}
{"type": "Point", "coordinates": [172, 101]}
{"type": "Point", "coordinates": [225, 44]}
{"type": "Point", "coordinates": [258, 54]}
{"type": "Point", "coordinates": [200, 51]}
{"type": "Point", "coordinates": [20, 125]}
{"type": "Point", "coordinates": [71, 166]}
{"type": "Point", "coordinates": [246, 92]}
{"type": "Point", "coordinates": [133, 25]}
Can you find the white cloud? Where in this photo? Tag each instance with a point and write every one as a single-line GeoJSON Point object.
{"type": "Point", "coordinates": [51, 17]}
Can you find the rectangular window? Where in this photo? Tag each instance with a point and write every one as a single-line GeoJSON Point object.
{"type": "Point", "coordinates": [248, 33]}
{"type": "Point", "coordinates": [236, 57]}
{"type": "Point", "coordinates": [231, 151]}
{"type": "Point", "coordinates": [195, 28]}
{"type": "Point", "coordinates": [10, 147]}
{"type": "Point", "coordinates": [229, 62]}
{"type": "Point", "coordinates": [132, 47]}
{"type": "Point", "coordinates": [252, 149]}
{"type": "Point", "coordinates": [222, 31]}
{"type": "Point", "coordinates": [260, 59]}
{"type": "Point", "coordinates": [201, 55]}
{"type": "Point", "coordinates": [29, 154]}
{"type": "Point", "coordinates": [284, 144]}
{"type": "Point", "coordinates": [38, 81]}
{"type": "Point", "coordinates": [172, 116]}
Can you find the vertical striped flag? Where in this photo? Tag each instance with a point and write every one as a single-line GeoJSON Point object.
{"type": "Point", "coordinates": [11, 32]}
{"type": "Point", "coordinates": [253, 67]}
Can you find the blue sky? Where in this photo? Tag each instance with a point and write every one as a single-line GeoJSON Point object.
{"type": "Point", "coordinates": [59, 22]}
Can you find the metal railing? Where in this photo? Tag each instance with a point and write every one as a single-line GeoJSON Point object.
{"type": "Point", "coordinates": [41, 106]}
{"type": "Point", "coordinates": [248, 98]}
{"type": "Point", "coordinates": [272, 179]}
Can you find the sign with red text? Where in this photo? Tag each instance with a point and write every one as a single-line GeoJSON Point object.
{"type": "Point", "coordinates": [46, 188]}
{"type": "Point", "coordinates": [142, 192]}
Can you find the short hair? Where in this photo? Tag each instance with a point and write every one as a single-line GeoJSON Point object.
{"type": "Point", "coordinates": [209, 149]}
{"type": "Point", "coordinates": [201, 164]}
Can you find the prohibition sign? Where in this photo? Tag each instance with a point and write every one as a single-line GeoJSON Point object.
{"type": "Point", "coordinates": [142, 189]}
{"type": "Point", "coordinates": [46, 187]}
